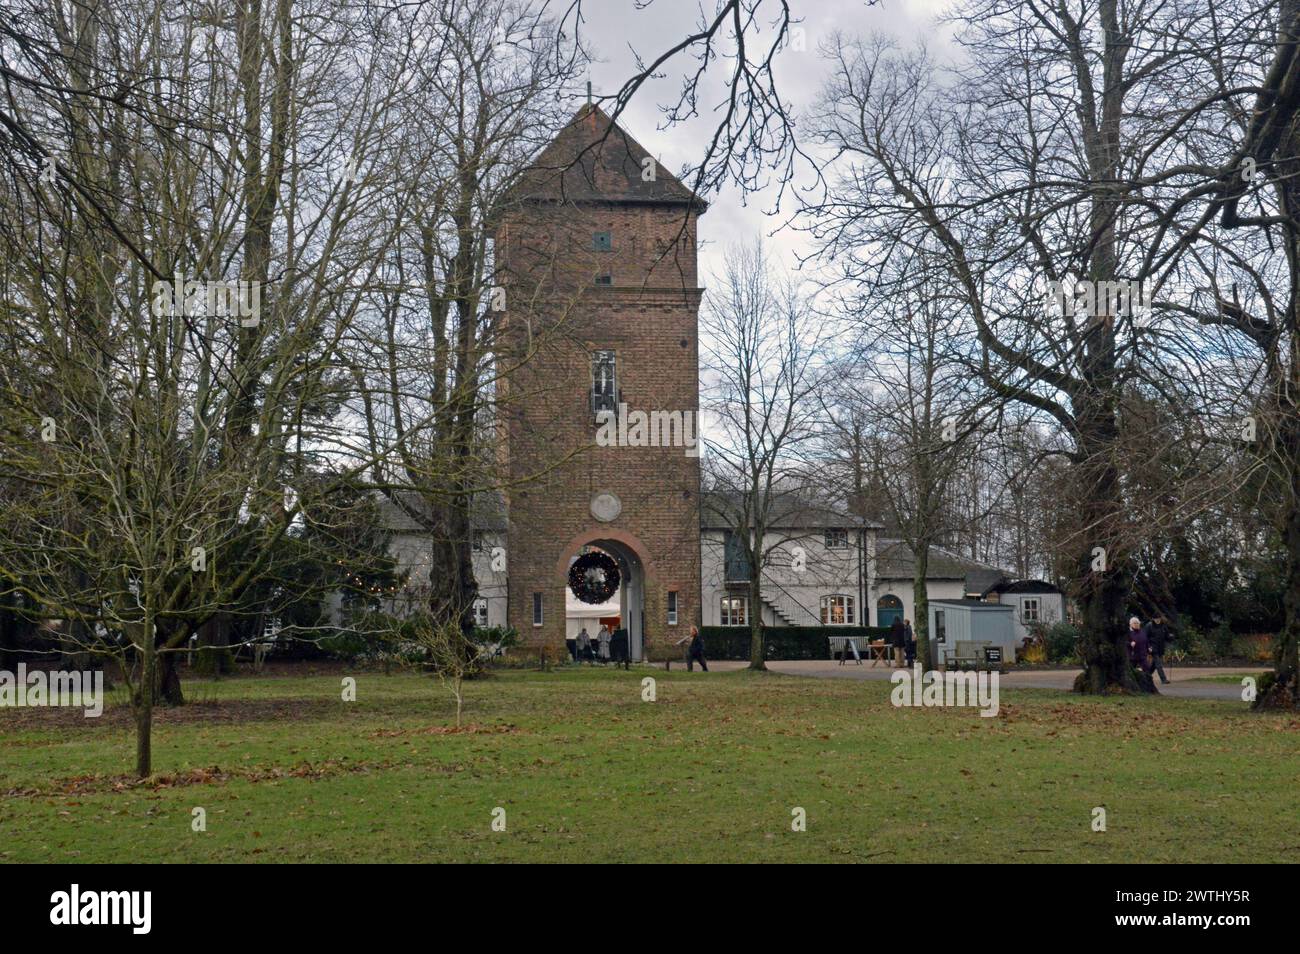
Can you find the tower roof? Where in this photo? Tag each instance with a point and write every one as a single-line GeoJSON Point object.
{"type": "Point", "coordinates": [593, 159]}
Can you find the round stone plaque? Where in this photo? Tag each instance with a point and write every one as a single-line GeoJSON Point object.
{"type": "Point", "coordinates": [606, 507]}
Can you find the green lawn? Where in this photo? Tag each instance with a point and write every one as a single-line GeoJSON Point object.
{"type": "Point", "coordinates": [586, 771]}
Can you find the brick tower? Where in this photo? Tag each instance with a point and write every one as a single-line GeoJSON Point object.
{"type": "Point", "coordinates": [600, 392]}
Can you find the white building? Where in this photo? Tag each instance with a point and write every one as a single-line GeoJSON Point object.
{"type": "Point", "coordinates": [817, 566]}
{"type": "Point", "coordinates": [895, 566]}
{"type": "Point", "coordinates": [410, 546]}
{"type": "Point", "coordinates": [825, 566]}
{"type": "Point", "coordinates": [1034, 602]}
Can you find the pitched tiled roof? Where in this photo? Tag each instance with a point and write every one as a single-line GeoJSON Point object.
{"type": "Point", "coordinates": [1021, 586]}
{"type": "Point", "coordinates": [594, 159]}
{"type": "Point", "coordinates": [401, 512]}
{"type": "Point", "coordinates": [896, 561]}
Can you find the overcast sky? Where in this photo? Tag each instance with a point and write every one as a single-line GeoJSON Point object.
{"type": "Point", "coordinates": [616, 28]}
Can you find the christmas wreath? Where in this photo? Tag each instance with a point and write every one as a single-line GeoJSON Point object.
{"type": "Point", "coordinates": [594, 577]}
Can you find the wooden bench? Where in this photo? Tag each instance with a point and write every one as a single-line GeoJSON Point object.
{"type": "Point", "coordinates": [841, 646]}
{"type": "Point", "coordinates": [965, 653]}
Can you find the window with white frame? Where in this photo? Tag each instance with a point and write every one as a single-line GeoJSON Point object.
{"type": "Point", "coordinates": [480, 612]}
{"type": "Point", "coordinates": [837, 539]}
{"type": "Point", "coordinates": [735, 610]}
{"type": "Point", "coordinates": [672, 607]}
{"type": "Point", "coordinates": [837, 610]}
{"type": "Point", "coordinates": [537, 609]}
{"type": "Point", "coordinates": [1029, 611]}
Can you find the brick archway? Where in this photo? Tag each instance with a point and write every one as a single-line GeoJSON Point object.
{"type": "Point", "coordinates": [633, 558]}
{"type": "Point", "coordinates": [601, 532]}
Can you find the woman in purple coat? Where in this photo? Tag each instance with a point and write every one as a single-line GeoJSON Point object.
{"type": "Point", "coordinates": [1139, 646]}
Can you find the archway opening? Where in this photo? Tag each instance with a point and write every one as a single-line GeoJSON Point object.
{"type": "Point", "coordinates": [888, 609]}
{"type": "Point", "coordinates": [624, 609]}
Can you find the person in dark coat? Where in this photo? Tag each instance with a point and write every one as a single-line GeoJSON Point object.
{"type": "Point", "coordinates": [696, 653]}
{"type": "Point", "coordinates": [909, 642]}
{"type": "Point", "coordinates": [898, 639]}
{"type": "Point", "coordinates": [1139, 646]}
{"type": "Point", "coordinates": [1159, 636]}
{"type": "Point", "coordinates": [618, 647]}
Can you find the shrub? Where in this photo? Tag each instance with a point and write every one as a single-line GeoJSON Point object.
{"type": "Point", "coordinates": [346, 645]}
{"type": "Point", "coordinates": [1034, 654]}
{"type": "Point", "coordinates": [1221, 641]}
{"type": "Point", "coordinates": [1255, 647]}
{"type": "Point", "coordinates": [1060, 641]}
{"type": "Point", "coordinates": [214, 661]}
{"type": "Point", "coordinates": [1194, 644]}
{"type": "Point", "coordinates": [780, 642]}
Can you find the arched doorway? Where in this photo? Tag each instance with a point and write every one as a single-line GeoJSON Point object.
{"type": "Point", "coordinates": [628, 600]}
{"type": "Point", "coordinates": [888, 609]}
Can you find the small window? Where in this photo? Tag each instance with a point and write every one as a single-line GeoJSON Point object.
{"type": "Point", "coordinates": [735, 610]}
{"type": "Point", "coordinates": [480, 540]}
{"type": "Point", "coordinates": [604, 278]}
{"type": "Point", "coordinates": [736, 558]}
{"type": "Point", "coordinates": [537, 609]}
{"type": "Point", "coordinates": [940, 627]}
{"type": "Point", "coordinates": [604, 382]}
{"type": "Point", "coordinates": [1029, 611]}
{"type": "Point", "coordinates": [837, 610]}
{"type": "Point", "coordinates": [480, 613]}
{"type": "Point", "coordinates": [672, 607]}
{"type": "Point", "coordinates": [837, 539]}
{"type": "Point", "coordinates": [602, 242]}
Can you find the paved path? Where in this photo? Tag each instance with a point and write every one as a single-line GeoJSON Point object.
{"type": "Point", "coordinates": [1181, 678]}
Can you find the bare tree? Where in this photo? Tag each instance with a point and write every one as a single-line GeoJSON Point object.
{"type": "Point", "coordinates": [905, 380]}
{"type": "Point", "coordinates": [762, 366]}
{"type": "Point", "coordinates": [1024, 174]}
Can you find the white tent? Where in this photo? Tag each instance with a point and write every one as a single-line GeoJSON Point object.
{"type": "Point", "coordinates": [578, 614]}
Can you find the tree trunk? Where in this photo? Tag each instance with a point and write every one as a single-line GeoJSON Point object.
{"type": "Point", "coordinates": [757, 652]}
{"type": "Point", "coordinates": [168, 689]}
{"type": "Point", "coordinates": [1104, 573]}
{"type": "Point", "coordinates": [144, 702]}
{"type": "Point", "coordinates": [921, 607]}
{"type": "Point", "coordinates": [1281, 689]}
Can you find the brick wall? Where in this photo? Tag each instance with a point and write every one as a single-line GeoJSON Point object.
{"type": "Point", "coordinates": [556, 315]}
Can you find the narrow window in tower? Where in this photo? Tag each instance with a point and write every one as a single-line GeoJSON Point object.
{"type": "Point", "coordinates": [672, 607]}
{"type": "Point", "coordinates": [537, 609]}
{"type": "Point", "coordinates": [604, 382]}
{"type": "Point", "coordinates": [602, 242]}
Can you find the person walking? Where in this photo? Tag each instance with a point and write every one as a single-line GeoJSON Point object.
{"type": "Point", "coordinates": [603, 638]}
{"type": "Point", "coordinates": [897, 639]}
{"type": "Point", "coordinates": [695, 652]}
{"type": "Point", "coordinates": [584, 645]}
{"type": "Point", "coordinates": [909, 642]}
{"type": "Point", "coordinates": [1159, 637]}
{"type": "Point", "coordinates": [1139, 650]}
{"type": "Point", "coordinates": [572, 644]}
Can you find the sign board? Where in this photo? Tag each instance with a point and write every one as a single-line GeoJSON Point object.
{"type": "Point", "coordinates": [993, 655]}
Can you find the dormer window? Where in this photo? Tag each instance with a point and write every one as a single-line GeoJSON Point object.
{"type": "Point", "coordinates": [604, 382]}
{"type": "Point", "coordinates": [604, 278]}
{"type": "Point", "coordinates": [602, 242]}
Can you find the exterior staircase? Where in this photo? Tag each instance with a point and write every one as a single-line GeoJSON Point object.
{"type": "Point", "coordinates": [785, 606]}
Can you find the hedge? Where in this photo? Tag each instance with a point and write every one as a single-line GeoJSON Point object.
{"type": "Point", "coordinates": [784, 642]}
